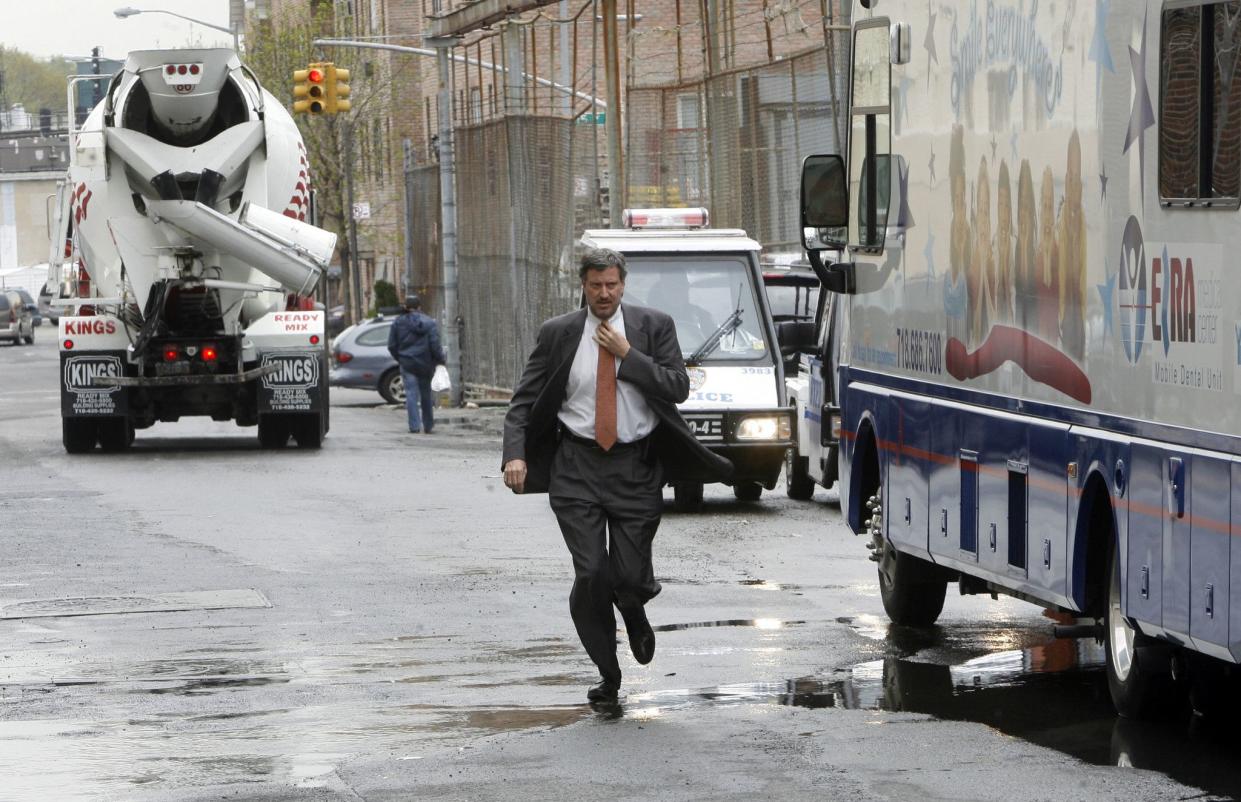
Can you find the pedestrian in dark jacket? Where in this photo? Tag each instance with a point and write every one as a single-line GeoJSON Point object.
{"type": "Point", "coordinates": [414, 342]}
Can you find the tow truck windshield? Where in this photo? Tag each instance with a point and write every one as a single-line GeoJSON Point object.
{"type": "Point", "coordinates": [703, 296]}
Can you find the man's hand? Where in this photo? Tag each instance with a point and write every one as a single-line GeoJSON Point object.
{"type": "Point", "coordinates": [612, 340]}
{"type": "Point", "coordinates": [515, 475]}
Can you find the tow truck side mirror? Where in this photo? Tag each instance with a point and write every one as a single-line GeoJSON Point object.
{"type": "Point", "coordinates": [825, 219]}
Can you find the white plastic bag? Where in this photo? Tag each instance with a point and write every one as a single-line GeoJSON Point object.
{"type": "Point", "coordinates": [439, 380]}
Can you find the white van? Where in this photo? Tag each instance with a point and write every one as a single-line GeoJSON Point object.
{"type": "Point", "coordinates": [708, 280]}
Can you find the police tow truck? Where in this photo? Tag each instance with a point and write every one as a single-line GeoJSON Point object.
{"type": "Point", "coordinates": [709, 281]}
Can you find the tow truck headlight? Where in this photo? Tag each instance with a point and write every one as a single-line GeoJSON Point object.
{"type": "Point", "coordinates": [764, 427]}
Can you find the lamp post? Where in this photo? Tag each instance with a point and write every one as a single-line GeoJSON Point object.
{"type": "Point", "coordinates": [130, 11]}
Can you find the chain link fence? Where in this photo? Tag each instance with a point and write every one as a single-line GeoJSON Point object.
{"type": "Point", "coordinates": [734, 143]}
{"type": "Point", "coordinates": [523, 184]}
{"type": "Point", "coordinates": [528, 183]}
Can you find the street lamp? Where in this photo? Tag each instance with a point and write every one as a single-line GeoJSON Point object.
{"type": "Point", "coordinates": [130, 11]}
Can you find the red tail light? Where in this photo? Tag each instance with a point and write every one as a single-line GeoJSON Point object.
{"type": "Point", "coordinates": [171, 353]}
{"type": "Point", "coordinates": [210, 354]}
{"type": "Point", "coordinates": [343, 356]}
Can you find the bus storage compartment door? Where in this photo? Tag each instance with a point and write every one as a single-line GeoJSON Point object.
{"type": "Point", "coordinates": [1144, 552]}
{"type": "Point", "coordinates": [1177, 515]}
{"type": "Point", "coordinates": [908, 474]}
{"type": "Point", "coordinates": [296, 385]}
{"type": "Point", "coordinates": [80, 394]}
{"type": "Point", "coordinates": [1212, 503]}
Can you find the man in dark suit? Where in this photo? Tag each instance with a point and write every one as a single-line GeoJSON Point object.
{"type": "Point", "coordinates": [593, 423]}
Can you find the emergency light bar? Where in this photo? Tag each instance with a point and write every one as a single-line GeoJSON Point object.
{"type": "Point", "coordinates": [665, 218]}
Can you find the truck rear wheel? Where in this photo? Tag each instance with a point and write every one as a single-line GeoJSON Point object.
{"type": "Point", "coordinates": [748, 491]}
{"type": "Point", "coordinates": [273, 431]}
{"type": "Point", "coordinates": [687, 496]}
{"type": "Point", "coordinates": [308, 430]}
{"type": "Point", "coordinates": [115, 434]}
{"type": "Point", "coordinates": [78, 434]}
{"type": "Point", "coordinates": [798, 484]}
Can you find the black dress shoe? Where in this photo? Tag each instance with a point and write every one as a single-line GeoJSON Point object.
{"type": "Point", "coordinates": [641, 636]}
{"type": "Point", "coordinates": [604, 691]}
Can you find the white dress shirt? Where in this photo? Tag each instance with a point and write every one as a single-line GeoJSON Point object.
{"type": "Point", "coordinates": [634, 418]}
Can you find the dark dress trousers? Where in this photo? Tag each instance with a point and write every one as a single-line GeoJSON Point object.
{"type": "Point", "coordinates": [598, 494]}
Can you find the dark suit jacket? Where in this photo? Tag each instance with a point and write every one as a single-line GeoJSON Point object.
{"type": "Point", "coordinates": [653, 365]}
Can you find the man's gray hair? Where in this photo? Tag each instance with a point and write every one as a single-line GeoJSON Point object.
{"type": "Point", "coordinates": [602, 259]}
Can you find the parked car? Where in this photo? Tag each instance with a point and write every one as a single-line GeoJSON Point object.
{"type": "Point", "coordinates": [16, 318]}
{"type": "Point", "coordinates": [360, 359]}
{"type": "Point", "coordinates": [32, 305]}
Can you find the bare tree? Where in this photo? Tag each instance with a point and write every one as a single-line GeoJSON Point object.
{"type": "Point", "coordinates": [274, 49]}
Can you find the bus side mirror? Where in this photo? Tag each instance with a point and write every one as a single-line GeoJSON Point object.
{"type": "Point", "coordinates": [825, 220]}
{"type": "Point", "coordinates": [824, 202]}
{"type": "Point", "coordinates": [795, 337]}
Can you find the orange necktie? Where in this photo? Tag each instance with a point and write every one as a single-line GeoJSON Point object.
{"type": "Point", "coordinates": [605, 400]}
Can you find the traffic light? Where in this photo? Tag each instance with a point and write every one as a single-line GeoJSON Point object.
{"type": "Point", "coordinates": [337, 89]}
{"type": "Point", "coordinates": [309, 92]}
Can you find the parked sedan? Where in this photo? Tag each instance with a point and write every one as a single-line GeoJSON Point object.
{"type": "Point", "coordinates": [16, 318]}
{"type": "Point", "coordinates": [360, 359]}
{"type": "Point", "coordinates": [32, 305]}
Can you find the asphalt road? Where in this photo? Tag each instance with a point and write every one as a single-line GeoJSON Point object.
{"type": "Point", "coordinates": [199, 619]}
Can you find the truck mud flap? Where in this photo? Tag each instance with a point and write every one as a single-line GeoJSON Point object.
{"type": "Point", "coordinates": [295, 381]}
{"type": "Point", "coordinates": [82, 389]}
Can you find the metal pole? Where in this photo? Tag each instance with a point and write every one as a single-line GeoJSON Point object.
{"type": "Point", "coordinates": [448, 212]}
{"type": "Point", "coordinates": [611, 90]}
{"type": "Point", "coordinates": [567, 78]}
{"type": "Point", "coordinates": [355, 264]}
{"type": "Point", "coordinates": [409, 216]}
{"type": "Point", "coordinates": [422, 51]}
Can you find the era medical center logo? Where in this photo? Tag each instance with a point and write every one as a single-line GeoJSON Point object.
{"type": "Point", "coordinates": [296, 371]}
{"type": "Point", "coordinates": [1168, 295]}
{"type": "Point", "coordinates": [80, 373]}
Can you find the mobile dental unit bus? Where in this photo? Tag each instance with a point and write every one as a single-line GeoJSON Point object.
{"type": "Point", "coordinates": [1039, 351]}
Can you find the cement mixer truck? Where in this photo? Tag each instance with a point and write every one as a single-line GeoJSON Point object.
{"type": "Point", "coordinates": [184, 217]}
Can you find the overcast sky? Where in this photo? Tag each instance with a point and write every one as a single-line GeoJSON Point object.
{"type": "Point", "coordinates": [72, 27]}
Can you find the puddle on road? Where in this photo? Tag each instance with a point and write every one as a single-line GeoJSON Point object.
{"type": "Point", "coordinates": [758, 623]}
{"type": "Point", "coordinates": [1007, 674]}
{"type": "Point", "coordinates": [1050, 692]}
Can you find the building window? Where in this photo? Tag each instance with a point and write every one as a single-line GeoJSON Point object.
{"type": "Point", "coordinates": [1200, 105]}
{"type": "Point", "coordinates": [381, 151]}
{"type": "Point", "coordinates": [687, 111]}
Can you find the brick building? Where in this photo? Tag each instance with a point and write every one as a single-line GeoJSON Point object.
{"type": "Point", "coordinates": [663, 47]}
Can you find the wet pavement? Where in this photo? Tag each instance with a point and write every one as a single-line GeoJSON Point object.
{"type": "Point", "coordinates": [199, 619]}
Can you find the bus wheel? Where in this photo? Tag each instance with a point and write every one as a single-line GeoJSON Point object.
{"type": "Point", "coordinates": [798, 484]}
{"type": "Point", "coordinates": [1137, 677]}
{"type": "Point", "coordinates": [748, 491]}
{"type": "Point", "coordinates": [687, 496]}
{"type": "Point", "coordinates": [912, 590]}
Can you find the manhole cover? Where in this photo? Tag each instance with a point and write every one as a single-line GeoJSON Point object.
{"type": "Point", "coordinates": [155, 603]}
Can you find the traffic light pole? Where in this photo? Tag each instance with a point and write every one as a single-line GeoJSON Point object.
{"type": "Point", "coordinates": [441, 48]}
{"type": "Point", "coordinates": [355, 264]}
